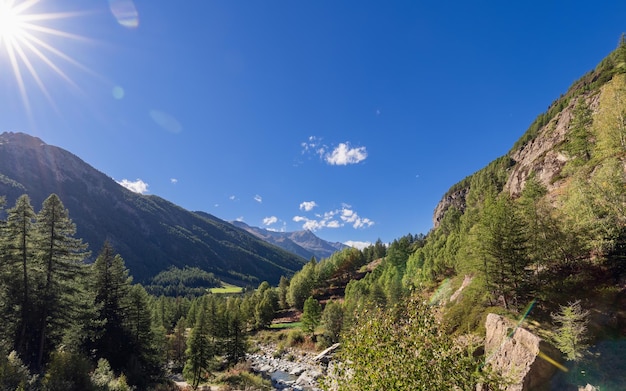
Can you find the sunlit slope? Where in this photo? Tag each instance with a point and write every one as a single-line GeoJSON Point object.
{"type": "Point", "coordinates": [149, 232]}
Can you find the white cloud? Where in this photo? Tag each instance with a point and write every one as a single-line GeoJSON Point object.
{"type": "Point", "coordinates": [258, 198]}
{"type": "Point", "coordinates": [240, 218]}
{"type": "Point", "coordinates": [174, 180]}
{"type": "Point", "coordinates": [308, 205]}
{"type": "Point", "coordinates": [137, 186]}
{"type": "Point", "coordinates": [232, 198]}
{"type": "Point", "coordinates": [357, 244]}
{"type": "Point", "coordinates": [343, 155]}
{"type": "Point", "coordinates": [312, 144]}
{"type": "Point", "coordinates": [351, 217]}
{"type": "Point", "coordinates": [270, 220]}
{"type": "Point", "coordinates": [329, 220]}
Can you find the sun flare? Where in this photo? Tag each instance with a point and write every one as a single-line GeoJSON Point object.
{"type": "Point", "coordinates": [25, 44]}
{"type": "Point", "coordinates": [10, 23]}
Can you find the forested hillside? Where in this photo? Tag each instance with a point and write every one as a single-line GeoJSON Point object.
{"type": "Point", "coordinates": [537, 235]}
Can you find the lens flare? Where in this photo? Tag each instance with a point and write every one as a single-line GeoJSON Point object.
{"type": "Point", "coordinates": [125, 13]}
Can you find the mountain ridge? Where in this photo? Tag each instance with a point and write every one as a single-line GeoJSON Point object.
{"type": "Point", "coordinates": [304, 243]}
{"type": "Point", "coordinates": [149, 232]}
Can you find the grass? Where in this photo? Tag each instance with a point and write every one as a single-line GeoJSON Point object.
{"type": "Point", "coordinates": [282, 326]}
{"type": "Point", "coordinates": [227, 289]}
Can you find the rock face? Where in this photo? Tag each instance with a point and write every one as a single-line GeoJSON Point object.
{"type": "Point", "coordinates": [541, 156]}
{"type": "Point", "coordinates": [455, 199]}
{"type": "Point", "coordinates": [515, 353]}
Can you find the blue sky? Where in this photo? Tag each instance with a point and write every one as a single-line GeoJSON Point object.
{"type": "Point", "coordinates": [351, 118]}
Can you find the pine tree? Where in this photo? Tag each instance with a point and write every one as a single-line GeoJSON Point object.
{"type": "Point", "coordinates": [61, 257]}
{"type": "Point", "coordinates": [19, 257]}
{"type": "Point", "coordinates": [111, 285]}
{"type": "Point", "coordinates": [145, 351]}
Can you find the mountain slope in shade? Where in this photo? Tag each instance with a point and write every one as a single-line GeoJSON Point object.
{"type": "Point", "coordinates": [149, 232]}
{"type": "Point", "coordinates": [304, 243]}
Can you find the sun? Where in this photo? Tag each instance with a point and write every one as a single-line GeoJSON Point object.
{"type": "Point", "coordinates": [24, 41]}
{"type": "Point", "coordinates": [10, 23]}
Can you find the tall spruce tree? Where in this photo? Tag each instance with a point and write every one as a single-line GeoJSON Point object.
{"type": "Point", "coordinates": [61, 257]}
{"type": "Point", "coordinates": [19, 257]}
{"type": "Point", "coordinates": [111, 285]}
{"type": "Point", "coordinates": [146, 347]}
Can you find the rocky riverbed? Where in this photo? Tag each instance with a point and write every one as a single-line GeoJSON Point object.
{"type": "Point", "coordinates": [291, 369]}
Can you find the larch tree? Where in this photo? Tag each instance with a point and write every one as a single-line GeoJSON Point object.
{"type": "Point", "coordinates": [311, 315]}
{"type": "Point", "coordinates": [200, 350]}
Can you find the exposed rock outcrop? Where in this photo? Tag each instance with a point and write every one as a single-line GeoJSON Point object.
{"type": "Point", "coordinates": [518, 354]}
{"type": "Point", "coordinates": [455, 199]}
{"type": "Point", "coordinates": [541, 155]}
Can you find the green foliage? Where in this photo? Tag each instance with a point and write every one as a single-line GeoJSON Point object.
{"type": "Point", "coordinates": [200, 351]}
{"type": "Point", "coordinates": [14, 375]}
{"type": "Point", "coordinates": [503, 247]}
{"type": "Point", "coordinates": [61, 256]}
{"type": "Point", "coordinates": [571, 333]}
{"type": "Point", "coordinates": [579, 140]}
{"type": "Point", "coordinates": [189, 281]}
{"type": "Point", "coordinates": [332, 321]}
{"type": "Point", "coordinates": [67, 371]}
{"type": "Point", "coordinates": [405, 349]}
{"type": "Point", "coordinates": [301, 285]}
{"type": "Point", "coordinates": [311, 315]}
{"type": "Point", "coordinates": [104, 379]}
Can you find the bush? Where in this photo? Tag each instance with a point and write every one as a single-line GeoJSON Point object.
{"type": "Point", "coordinates": [295, 337]}
{"type": "Point", "coordinates": [14, 375]}
{"type": "Point", "coordinates": [67, 371]}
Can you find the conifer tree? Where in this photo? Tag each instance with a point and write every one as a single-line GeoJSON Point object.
{"type": "Point", "coordinates": [146, 347]}
{"type": "Point", "coordinates": [111, 284]}
{"type": "Point", "coordinates": [283, 287]}
{"type": "Point", "coordinates": [312, 314]}
{"type": "Point", "coordinates": [200, 350]}
{"type": "Point", "coordinates": [19, 258]}
{"type": "Point", "coordinates": [571, 334]}
{"type": "Point", "coordinates": [503, 247]}
{"type": "Point", "coordinates": [61, 257]}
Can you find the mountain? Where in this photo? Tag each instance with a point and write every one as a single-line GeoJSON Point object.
{"type": "Point", "coordinates": [150, 233]}
{"type": "Point", "coordinates": [303, 243]}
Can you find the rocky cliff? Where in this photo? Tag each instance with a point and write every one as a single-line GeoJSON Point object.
{"type": "Point", "coordinates": [541, 156]}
